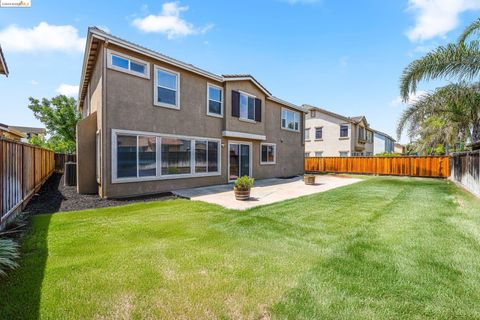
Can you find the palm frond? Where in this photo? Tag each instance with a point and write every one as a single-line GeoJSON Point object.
{"type": "Point", "coordinates": [471, 30]}
{"type": "Point", "coordinates": [461, 61]}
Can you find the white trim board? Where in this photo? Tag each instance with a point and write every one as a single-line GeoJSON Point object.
{"type": "Point", "coordinates": [243, 135]}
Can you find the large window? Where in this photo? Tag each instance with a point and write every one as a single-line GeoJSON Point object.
{"type": "Point", "coordinates": [124, 63]}
{"type": "Point", "coordinates": [206, 156]}
{"type": "Point", "coordinates": [167, 88]}
{"type": "Point", "coordinates": [307, 134]}
{"type": "Point", "coordinates": [344, 131]}
{"type": "Point", "coordinates": [268, 153]}
{"type": "Point", "coordinates": [290, 120]}
{"type": "Point", "coordinates": [138, 157]}
{"type": "Point", "coordinates": [247, 107]}
{"type": "Point", "coordinates": [318, 133]}
{"type": "Point", "coordinates": [176, 155]}
{"type": "Point", "coordinates": [369, 136]}
{"type": "Point", "coordinates": [214, 100]}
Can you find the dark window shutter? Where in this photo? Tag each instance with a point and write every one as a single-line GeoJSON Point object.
{"type": "Point", "coordinates": [235, 104]}
{"type": "Point", "coordinates": [258, 110]}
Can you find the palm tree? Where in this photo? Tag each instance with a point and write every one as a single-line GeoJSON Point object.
{"type": "Point", "coordinates": [460, 61]}
{"type": "Point", "coordinates": [443, 116]}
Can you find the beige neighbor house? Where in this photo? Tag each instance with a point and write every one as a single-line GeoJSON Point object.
{"type": "Point", "coordinates": [328, 134]}
{"type": "Point", "coordinates": [151, 124]}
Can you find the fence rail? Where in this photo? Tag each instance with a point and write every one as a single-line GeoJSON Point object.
{"type": "Point", "coordinates": [438, 167]}
{"type": "Point", "coordinates": [465, 168]}
{"type": "Point", "coordinates": [23, 169]}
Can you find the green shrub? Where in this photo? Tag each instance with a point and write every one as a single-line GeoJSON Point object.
{"type": "Point", "coordinates": [8, 255]}
{"type": "Point", "coordinates": [388, 154]}
{"type": "Point", "coordinates": [244, 183]}
{"type": "Point", "coordinates": [9, 248]}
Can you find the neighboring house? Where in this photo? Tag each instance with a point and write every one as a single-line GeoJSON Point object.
{"type": "Point", "coordinates": [399, 148]}
{"type": "Point", "coordinates": [382, 142]}
{"type": "Point", "coordinates": [12, 134]}
{"type": "Point", "coordinates": [30, 131]}
{"type": "Point", "coordinates": [3, 63]}
{"type": "Point", "coordinates": [151, 123]}
{"type": "Point", "coordinates": [328, 134]}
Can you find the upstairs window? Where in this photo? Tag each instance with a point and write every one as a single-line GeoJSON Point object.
{"type": "Point", "coordinates": [313, 114]}
{"type": "Point", "coordinates": [214, 100]}
{"type": "Point", "coordinates": [246, 107]}
{"type": "Point", "coordinates": [124, 63]}
{"type": "Point", "coordinates": [344, 131]}
{"type": "Point", "coordinates": [290, 120]}
{"type": "Point", "coordinates": [307, 134]}
{"type": "Point", "coordinates": [318, 133]}
{"type": "Point", "coordinates": [167, 88]}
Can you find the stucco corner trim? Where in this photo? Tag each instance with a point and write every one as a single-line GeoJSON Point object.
{"type": "Point", "coordinates": [244, 135]}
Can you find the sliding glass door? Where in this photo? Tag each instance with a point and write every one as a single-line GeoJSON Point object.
{"type": "Point", "coordinates": [239, 160]}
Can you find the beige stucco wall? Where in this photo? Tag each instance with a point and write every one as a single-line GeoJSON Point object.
{"type": "Point", "coordinates": [86, 132]}
{"type": "Point", "coordinates": [331, 144]}
{"type": "Point", "coordinates": [234, 123]}
{"type": "Point", "coordinates": [128, 105]}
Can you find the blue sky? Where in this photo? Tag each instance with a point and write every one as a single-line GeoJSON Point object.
{"type": "Point", "coordinates": [344, 56]}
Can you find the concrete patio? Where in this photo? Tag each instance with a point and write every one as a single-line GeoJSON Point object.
{"type": "Point", "coordinates": [265, 191]}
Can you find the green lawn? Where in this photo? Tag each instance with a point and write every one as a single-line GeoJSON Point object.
{"type": "Point", "coordinates": [382, 248]}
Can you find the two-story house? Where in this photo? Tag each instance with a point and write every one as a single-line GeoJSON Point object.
{"type": "Point", "coordinates": [328, 134]}
{"type": "Point", "coordinates": [382, 142]}
{"type": "Point", "coordinates": [151, 123]}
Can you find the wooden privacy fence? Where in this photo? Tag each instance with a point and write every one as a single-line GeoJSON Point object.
{"type": "Point", "coordinates": [23, 169]}
{"type": "Point", "coordinates": [437, 167]}
{"type": "Point", "coordinates": [61, 159]}
{"type": "Point", "coordinates": [465, 169]}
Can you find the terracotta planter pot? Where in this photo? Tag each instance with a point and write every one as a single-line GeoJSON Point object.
{"type": "Point", "coordinates": [241, 194]}
{"type": "Point", "coordinates": [309, 180]}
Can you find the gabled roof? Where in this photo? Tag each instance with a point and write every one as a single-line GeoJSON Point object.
{"type": "Point", "coordinates": [239, 77]}
{"type": "Point", "coordinates": [95, 35]}
{"type": "Point", "coordinates": [354, 120]}
{"type": "Point", "coordinates": [3, 64]}
{"type": "Point", "coordinates": [29, 129]}
{"type": "Point", "coordinates": [384, 134]}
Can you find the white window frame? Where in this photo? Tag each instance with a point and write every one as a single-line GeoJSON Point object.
{"type": "Point", "coordinates": [155, 91]}
{"type": "Point", "coordinates": [340, 153]}
{"type": "Point", "coordinates": [318, 139]}
{"type": "Point", "coordinates": [240, 107]}
{"type": "Point", "coordinates": [159, 176]}
{"type": "Point", "coordinates": [110, 65]}
{"type": "Point", "coordinates": [274, 153]}
{"type": "Point", "coordinates": [208, 101]}
{"type": "Point", "coordinates": [286, 124]}
{"type": "Point", "coordinates": [307, 134]}
{"type": "Point", "coordinates": [348, 131]}
{"type": "Point", "coordinates": [319, 156]}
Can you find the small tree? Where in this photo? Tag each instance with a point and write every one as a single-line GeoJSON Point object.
{"type": "Point", "coordinates": [60, 117]}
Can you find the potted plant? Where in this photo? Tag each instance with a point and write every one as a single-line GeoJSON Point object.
{"type": "Point", "coordinates": [242, 187]}
{"type": "Point", "coordinates": [309, 179]}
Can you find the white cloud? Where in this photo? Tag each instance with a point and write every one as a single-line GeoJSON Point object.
{"type": "Point", "coordinates": [33, 82]}
{"type": "Point", "coordinates": [398, 102]}
{"type": "Point", "coordinates": [44, 37]}
{"type": "Point", "coordinates": [169, 22]}
{"type": "Point", "coordinates": [68, 90]}
{"type": "Point", "coordinates": [437, 17]}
